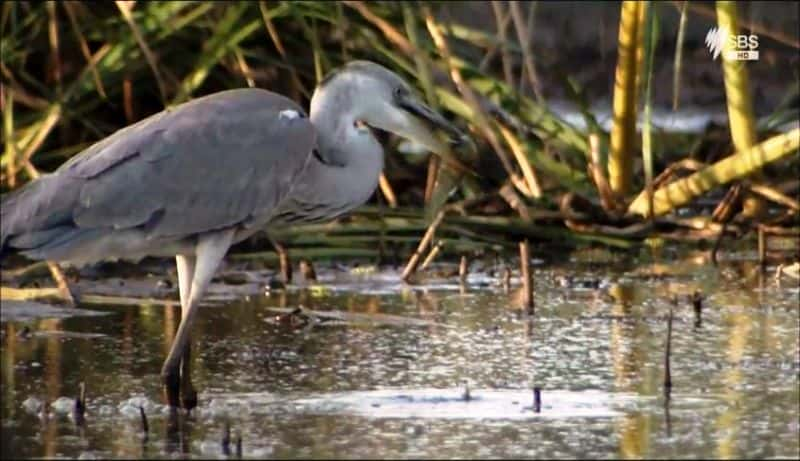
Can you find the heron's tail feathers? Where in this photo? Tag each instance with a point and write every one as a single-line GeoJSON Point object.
{"type": "Point", "coordinates": [36, 214]}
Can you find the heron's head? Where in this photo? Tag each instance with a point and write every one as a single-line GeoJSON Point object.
{"type": "Point", "coordinates": [379, 98]}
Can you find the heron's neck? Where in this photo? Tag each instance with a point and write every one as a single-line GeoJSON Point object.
{"type": "Point", "coordinates": [350, 158]}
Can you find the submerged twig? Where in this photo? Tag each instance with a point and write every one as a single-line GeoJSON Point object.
{"type": "Point", "coordinates": [667, 372]}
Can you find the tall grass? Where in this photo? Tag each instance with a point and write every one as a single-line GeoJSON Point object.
{"type": "Point", "coordinates": [74, 72]}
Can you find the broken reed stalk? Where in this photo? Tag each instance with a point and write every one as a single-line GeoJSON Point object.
{"type": "Point", "coordinates": [523, 34]}
{"type": "Point", "coordinates": [527, 285]}
{"type": "Point", "coordinates": [667, 372]}
{"type": "Point", "coordinates": [463, 269]}
{"type": "Point", "coordinates": [723, 214]}
{"type": "Point", "coordinates": [430, 180]}
{"type": "Point", "coordinates": [529, 174]}
{"type": "Point", "coordinates": [411, 266]}
{"type": "Point", "coordinates": [502, 20]}
{"type": "Point", "coordinates": [388, 192]}
{"type": "Point", "coordinates": [61, 282]}
{"type": "Point", "coordinates": [735, 166]}
{"type": "Point", "coordinates": [607, 200]}
{"type": "Point", "coordinates": [307, 269]}
{"type": "Point", "coordinates": [739, 98]}
{"type": "Point", "coordinates": [482, 121]}
{"type": "Point", "coordinates": [432, 255]}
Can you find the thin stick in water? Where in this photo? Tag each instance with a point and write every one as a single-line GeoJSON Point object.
{"type": "Point", "coordinates": [145, 425]}
{"type": "Point", "coordinates": [80, 406]}
{"type": "Point", "coordinates": [426, 239]}
{"type": "Point", "coordinates": [463, 269]}
{"type": "Point", "coordinates": [527, 286]}
{"type": "Point", "coordinates": [432, 255]}
{"type": "Point", "coordinates": [697, 303]}
{"type": "Point", "coordinates": [667, 372]}
{"type": "Point", "coordinates": [226, 440]}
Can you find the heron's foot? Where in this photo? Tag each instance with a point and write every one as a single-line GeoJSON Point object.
{"type": "Point", "coordinates": [189, 398]}
{"type": "Point", "coordinates": [188, 393]}
{"type": "Point", "coordinates": [172, 385]}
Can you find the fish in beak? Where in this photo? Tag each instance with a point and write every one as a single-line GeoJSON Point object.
{"type": "Point", "coordinates": [422, 123]}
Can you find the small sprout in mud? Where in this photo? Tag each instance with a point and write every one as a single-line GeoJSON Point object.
{"type": "Point", "coordinates": [506, 279]}
{"type": "Point", "coordinates": [463, 269]}
{"type": "Point", "coordinates": [537, 399]}
{"type": "Point", "coordinates": [307, 269]}
{"type": "Point", "coordinates": [466, 395]}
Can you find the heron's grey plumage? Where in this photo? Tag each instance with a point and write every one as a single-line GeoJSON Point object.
{"type": "Point", "coordinates": [192, 180]}
{"type": "Point", "coordinates": [224, 160]}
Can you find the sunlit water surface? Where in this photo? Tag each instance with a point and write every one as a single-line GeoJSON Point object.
{"type": "Point", "coordinates": [377, 386]}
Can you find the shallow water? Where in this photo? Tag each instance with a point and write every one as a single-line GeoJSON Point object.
{"type": "Point", "coordinates": [378, 385]}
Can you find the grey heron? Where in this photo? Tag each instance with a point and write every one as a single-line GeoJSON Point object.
{"type": "Point", "coordinates": [190, 181]}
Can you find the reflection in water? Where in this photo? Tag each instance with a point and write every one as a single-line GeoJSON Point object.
{"type": "Point", "coordinates": [627, 339]}
{"type": "Point", "coordinates": [250, 370]}
{"type": "Point", "coordinates": [727, 423]}
{"type": "Point", "coordinates": [52, 379]}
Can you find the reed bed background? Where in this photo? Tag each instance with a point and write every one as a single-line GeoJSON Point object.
{"type": "Point", "coordinates": [74, 72]}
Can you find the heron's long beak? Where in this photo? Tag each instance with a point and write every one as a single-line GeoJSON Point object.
{"type": "Point", "coordinates": [431, 118]}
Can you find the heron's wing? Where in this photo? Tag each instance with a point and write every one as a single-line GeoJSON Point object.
{"type": "Point", "coordinates": [218, 161]}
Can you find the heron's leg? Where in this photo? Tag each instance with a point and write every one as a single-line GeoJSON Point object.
{"type": "Point", "coordinates": [185, 265]}
{"type": "Point", "coordinates": [210, 250]}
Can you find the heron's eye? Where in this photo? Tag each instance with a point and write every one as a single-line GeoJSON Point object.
{"type": "Point", "coordinates": [399, 91]}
